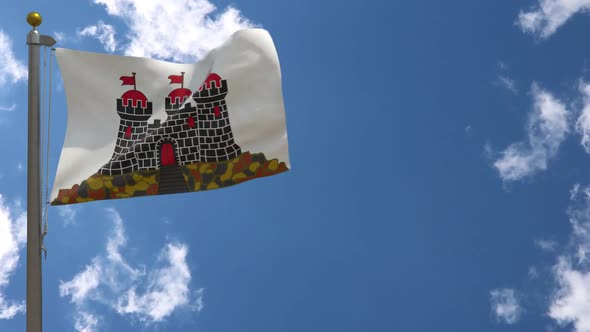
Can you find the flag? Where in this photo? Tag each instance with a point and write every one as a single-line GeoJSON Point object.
{"type": "Point", "coordinates": [225, 125]}
{"type": "Point", "coordinates": [176, 79]}
{"type": "Point", "coordinates": [127, 80]}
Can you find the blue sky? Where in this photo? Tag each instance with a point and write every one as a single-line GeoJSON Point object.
{"type": "Point", "coordinates": [437, 183]}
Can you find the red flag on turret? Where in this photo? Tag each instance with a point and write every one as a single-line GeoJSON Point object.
{"type": "Point", "coordinates": [176, 79]}
{"type": "Point", "coordinates": [128, 80]}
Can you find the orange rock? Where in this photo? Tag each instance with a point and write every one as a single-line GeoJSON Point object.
{"type": "Point", "coordinates": [282, 167]}
{"type": "Point", "coordinates": [243, 161]}
{"type": "Point", "coordinates": [196, 175]}
{"type": "Point", "coordinates": [97, 194]}
{"type": "Point", "coordinates": [152, 190]}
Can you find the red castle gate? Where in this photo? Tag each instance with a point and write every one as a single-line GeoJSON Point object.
{"type": "Point", "coordinates": [167, 154]}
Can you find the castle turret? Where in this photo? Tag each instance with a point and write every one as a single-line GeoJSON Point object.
{"type": "Point", "coordinates": [177, 96]}
{"type": "Point", "coordinates": [134, 111]}
{"type": "Point", "coordinates": [216, 141]}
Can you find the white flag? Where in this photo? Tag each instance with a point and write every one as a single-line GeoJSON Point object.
{"type": "Point", "coordinates": [140, 127]}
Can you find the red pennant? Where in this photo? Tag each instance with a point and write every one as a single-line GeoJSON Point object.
{"type": "Point", "coordinates": [127, 80]}
{"type": "Point", "coordinates": [175, 79]}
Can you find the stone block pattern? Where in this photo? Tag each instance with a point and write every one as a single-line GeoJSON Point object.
{"type": "Point", "coordinates": [215, 135]}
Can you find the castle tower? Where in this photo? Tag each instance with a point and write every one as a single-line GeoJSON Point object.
{"type": "Point", "coordinates": [175, 99]}
{"type": "Point", "coordinates": [216, 141]}
{"type": "Point", "coordinates": [134, 111]}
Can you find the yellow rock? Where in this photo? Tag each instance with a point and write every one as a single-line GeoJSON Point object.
{"type": "Point", "coordinates": [115, 189]}
{"type": "Point", "coordinates": [150, 179]}
{"type": "Point", "coordinates": [203, 168]}
{"type": "Point", "coordinates": [108, 184]}
{"type": "Point", "coordinates": [137, 177]}
{"type": "Point", "coordinates": [254, 166]}
{"type": "Point", "coordinates": [129, 190]}
{"type": "Point", "coordinates": [95, 183]}
{"type": "Point", "coordinates": [238, 176]}
{"type": "Point", "coordinates": [141, 186]}
{"type": "Point", "coordinates": [273, 165]}
{"type": "Point", "coordinates": [197, 186]}
{"type": "Point", "coordinates": [121, 195]}
{"type": "Point", "coordinates": [227, 175]}
{"type": "Point", "coordinates": [212, 185]}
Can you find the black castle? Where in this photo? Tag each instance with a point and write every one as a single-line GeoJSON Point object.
{"type": "Point", "coordinates": [190, 134]}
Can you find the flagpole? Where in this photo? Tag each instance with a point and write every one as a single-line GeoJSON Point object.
{"type": "Point", "coordinates": [34, 291]}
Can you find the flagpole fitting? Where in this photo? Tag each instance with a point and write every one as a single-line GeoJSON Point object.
{"type": "Point", "coordinates": [34, 19]}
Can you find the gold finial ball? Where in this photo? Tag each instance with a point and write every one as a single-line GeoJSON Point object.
{"type": "Point", "coordinates": [34, 19]}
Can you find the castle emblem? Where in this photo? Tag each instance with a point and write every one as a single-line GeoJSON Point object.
{"type": "Point", "coordinates": [190, 133]}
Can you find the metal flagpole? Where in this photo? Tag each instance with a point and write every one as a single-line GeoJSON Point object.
{"type": "Point", "coordinates": [34, 295]}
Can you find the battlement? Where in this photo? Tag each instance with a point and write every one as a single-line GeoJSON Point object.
{"type": "Point", "coordinates": [155, 125]}
{"type": "Point", "coordinates": [174, 103]}
{"type": "Point", "coordinates": [210, 92]}
{"type": "Point", "coordinates": [134, 113]}
{"type": "Point", "coordinates": [178, 109]}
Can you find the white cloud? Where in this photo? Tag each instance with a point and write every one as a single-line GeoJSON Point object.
{"type": "Point", "coordinates": [468, 129]}
{"type": "Point", "coordinates": [167, 288]}
{"type": "Point", "coordinates": [8, 108]}
{"type": "Point", "coordinates": [85, 322]}
{"type": "Point", "coordinates": [82, 284]}
{"type": "Point", "coordinates": [508, 83]}
{"type": "Point", "coordinates": [118, 265]}
{"type": "Point", "coordinates": [11, 69]}
{"type": "Point", "coordinates": [546, 245]}
{"type": "Point", "coordinates": [59, 37]}
{"type": "Point", "coordinates": [199, 303]}
{"type": "Point", "coordinates": [533, 272]}
{"type": "Point", "coordinates": [105, 33]}
{"type": "Point", "coordinates": [580, 221]}
{"type": "Point", "coordinates": [574, 191]}
{"type": "Point", "coordinates": [547, 129]}
{"type": "Point", "coordinates": [583, 122]}
{"type": "Point", "coordinates": [570, 303]}
{"type": "Point", "coordinates": [179, 30]}
{"type": "Point", "coordinates": [9, 310]}
{"type": "Point", "coordinates": [502, 65]}
{"type": "Point", "coordinates": [13, 236]}
{"type": "Point", "coordinates": [110, 280]}
{"type": "Point", "coordinates": [67, 213]}
{"type": "Point", "coordinates": [505, 305]}
{"type": "Point", "coordinates": [548, 15]}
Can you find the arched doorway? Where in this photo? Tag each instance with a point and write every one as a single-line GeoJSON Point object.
{"type": "Point", "coordinates": [167, 156]}
{"type": "Point", "coordinates": [171, 179]}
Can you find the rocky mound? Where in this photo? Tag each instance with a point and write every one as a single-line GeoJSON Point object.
{"type": "Point", "coordinates": [198, 177]}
